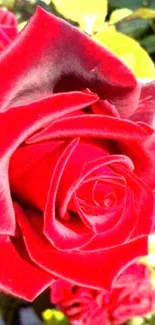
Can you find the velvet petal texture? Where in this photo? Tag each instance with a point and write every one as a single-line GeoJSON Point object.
{"type": "Point", "coordinates": [146, 108]}
{"type": "Point", "coordinates": [93, 126]}
{"type": "Point", "coordinates": [22, 278]}
{"type": "Point", "coordinates": [63, 59]}
{"type": "Point", "coordinates": [26, 121]}
{"type": "Point", "coordinates": [78, 264]}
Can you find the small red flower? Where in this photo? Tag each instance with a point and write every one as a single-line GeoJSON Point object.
{"type": "Point", "coordinates": [8, 28]}
{"type": "Point", "coordinates": [132, 296]}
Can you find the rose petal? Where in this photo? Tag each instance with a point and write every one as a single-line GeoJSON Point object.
{"type": "Point", "coordinates": [58, 234]}
{"type": "Point", "coordinates": [93, 126]}
{"type": "Point", "coordinates": [22, 278]}
{"type": "Point", "coordinates": [119, 232]}
{"type": "Point", "coordinates": [29, 162]}
{"type": "Point", "coordinates": [105, 108]}
{"type": "Point", "coordinates": [142, 194]}
{"type": "Point", "coordinates": [146, 108]}
{"type": "Point", "coordinates": [66, 59]}
{"type": "Point", "coordinates": [76, 265]}
{"type": "Point", "coordinates": [88, 168]}
{"type": "Point", "coordinates": [26, 121]}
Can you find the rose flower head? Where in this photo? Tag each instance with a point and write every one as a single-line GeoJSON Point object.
{"type": "Point", "coordinates": [132, 295]}
{"type": "Point", "coordinates": [77, 169]}
{"type": "Point", "coordinates": [8, 28]}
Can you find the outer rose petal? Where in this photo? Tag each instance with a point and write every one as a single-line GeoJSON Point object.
{"type": "Point", "coordinates": [146, 108]}
{"type": "Point", "coordinates": [83, 64]}
{"type": "Point", "coordinates": [22, 278]}
{"type": "Point", "coordinates": [78, 264]}
{"type": "Point", "coordinates": [28, 119]}
{"type": "Point", "coordinates": [93, 126]}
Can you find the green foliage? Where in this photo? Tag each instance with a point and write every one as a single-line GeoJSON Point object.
{"type": "Point", "coordinates": [148, 42]}
{"type": "Point", "coordinates": [134, 28]}
{"type": "Point", "coordinates": [144, 13]}
{"type": "Point", "coordinates": [131, 4]}
{"type": "Point", "coordinates": [89, 14]}
{"type": "Point", "coordinates": [127, 23]}
{"type": "Point", "coordinates": [10, 4]}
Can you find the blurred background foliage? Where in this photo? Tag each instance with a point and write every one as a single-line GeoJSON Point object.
{"type": "Point", "coordinates": [127, 28]}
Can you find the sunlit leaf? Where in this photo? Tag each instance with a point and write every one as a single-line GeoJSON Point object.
{"type": "Point", "coordinates": [144, 13]}
{"type": "Point", "coordinates": [89, 14]}
{"type": "Point", "coordinates": [22, 25]}
{"type": "Point", "coordinates": [119, 14]}
{"type": "Point", "coordinates": [150, 258]}
{"type": "Point", "coordinates": [8, 3]}
{"type": "Point", "coordinates": [136, 321]}
{"type": "Point", "coordinates": [134, 28]}
{"type": "Point", "coordinates": [129, 51]}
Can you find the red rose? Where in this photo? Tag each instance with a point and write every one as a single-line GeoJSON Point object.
{"type": "Point", "coordinates": [132, 296]}
{"type": "Point", "coordinates": [76, 175]}
{"type": "Point", "coordinates": [8, 28]}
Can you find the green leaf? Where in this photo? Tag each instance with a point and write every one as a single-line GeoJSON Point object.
{"type": "Point", "coordinates": [152, 321]}
{"type": "Point", "coordinates": [89, 14]}
{"type": "Point", "coordinates": [134, 28]}
{"type": "Point", "coordinates": [148, 42]}
{"type": "Point", "coordinates": [9, 4]}
{"type": "Point", "coordinates": [54, 317]}
{"type": "Point", "coordinates": [128, 50]}
{"type": "Point", "coordinates": [131, 4]}
{"type": "Point", "coordinates": [129, 22]}
{"type": "Point", "coordinates": [144, 13]}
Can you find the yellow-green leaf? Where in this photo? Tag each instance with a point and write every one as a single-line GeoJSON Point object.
{"type": "Point", "coordinates": [21, 25]}
{"type": "Point", "coordinates": [136, 321]}
{"type": "Point", "coordinates": [128, 50]}
{"type": "Point", "coordinates": [89, 14]}
{"type": "Point", "coordinates": [119, 14]}
{"type": "Point", "coordinates": [144, 13]}
{"type": "Point", "coordinates": [9, 4]}
{"type": "Point", "coordinates": [150, 258]}
{"type": "Point", "coordinates": [152, 244]}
